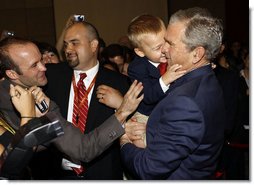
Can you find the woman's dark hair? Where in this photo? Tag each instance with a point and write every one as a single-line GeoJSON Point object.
{"type": "Point", "coordinates": [44, 46]}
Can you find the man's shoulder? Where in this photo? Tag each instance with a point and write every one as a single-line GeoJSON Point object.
{"type": "Point", "coordinates": [4, 83]}
{"type": "Point", "coordinates": [112, 78]}
{"type": "Point", "coordinates": [4, 88]}
{"type": "Point", "coordinates": [110, 73]}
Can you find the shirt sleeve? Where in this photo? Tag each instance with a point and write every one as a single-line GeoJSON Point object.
{"type": "Point", "coordinates": [163, 86]}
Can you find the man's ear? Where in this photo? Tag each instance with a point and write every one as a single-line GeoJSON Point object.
{"type": "Point", "coordinates": [198, 54]}
{"type": "Point", "coordinates": [94, 44]}
{"type": "Point", "coordinates": [11, 74]}
{"type": "Point", "coordinates": [139, 52]}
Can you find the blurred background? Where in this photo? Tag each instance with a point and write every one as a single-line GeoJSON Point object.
{"type": "Point", "coordinates": [44, 20]}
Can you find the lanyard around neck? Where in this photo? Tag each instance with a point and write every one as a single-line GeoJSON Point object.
{"type": "Point", "coordinates": [75, 88]}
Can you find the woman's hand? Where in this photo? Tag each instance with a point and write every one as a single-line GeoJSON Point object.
{"type": "Point", "coordinates": [23, 101]}
{"type": "Point", "coordinates": [109, 96]}
{"type": "Point", "coordinates": [39, 96]}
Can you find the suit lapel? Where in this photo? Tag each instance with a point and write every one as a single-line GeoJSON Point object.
{"type": "Point", "coordinates": [66, 92]}
{"type": "Point", "coordinates": [94, 107]}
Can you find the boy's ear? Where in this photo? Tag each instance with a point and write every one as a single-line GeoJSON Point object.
{"type": "Point", "coordinates": [139, 52]}
{"type": "Point", "coordinates": [11, 74]}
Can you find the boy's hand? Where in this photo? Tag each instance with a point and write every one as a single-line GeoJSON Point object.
{"type": "Point", "coordinates": [172, 74]}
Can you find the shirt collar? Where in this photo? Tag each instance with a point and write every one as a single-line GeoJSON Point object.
{"type": "Point", "coordinates": [90, 73]}
{"type": "Point", "coordinates": [153, 63]}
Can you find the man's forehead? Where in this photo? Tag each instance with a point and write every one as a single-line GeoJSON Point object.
{"type": "Point", "coordinates": [175, 30]}
{"type": "Point", "coordinates": [22, 47]}
{"type": "Point", "coordinates": [23, 50]}
{"type": "Point", "coordinates": [76, 30]}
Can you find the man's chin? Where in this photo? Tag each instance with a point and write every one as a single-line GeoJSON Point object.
{"type": "Point", "coordinates": [72, 63]}
{"type": "Point", "coordinates": [43, 82]}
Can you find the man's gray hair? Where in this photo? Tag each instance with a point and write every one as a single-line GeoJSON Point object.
{"type": "Point", "coordinates": [202, 29]}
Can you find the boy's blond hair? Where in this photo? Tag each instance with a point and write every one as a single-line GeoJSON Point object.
{"type": "Point", "coordinates": [141, 25]}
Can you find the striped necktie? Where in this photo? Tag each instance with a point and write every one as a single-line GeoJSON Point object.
{"type": "Point", "coordinates": [80, 109]}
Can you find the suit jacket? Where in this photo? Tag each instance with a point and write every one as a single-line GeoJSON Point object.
{"type": "Point", "coordinates": [239, 133]}
{"type": "Point", "coordinates": [142, 70]}
{"type": "Point", "coordinates": [184, 131]}
{"type": "Point", "coordinates": [72, 143]}
{"type": "Point", "coordinates": [108, 165]}
{"type": "Point", "coordinates": [229, 81]}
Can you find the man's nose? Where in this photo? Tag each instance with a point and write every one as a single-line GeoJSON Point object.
{"type": "Point", "coordinates": [42, 66]}
{"type": "Point", "coordinates": [68, 48]}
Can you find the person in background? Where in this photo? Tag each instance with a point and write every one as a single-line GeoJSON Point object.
{"type": "Point", "coordinates": [1, 77]}
{"type": "Point", "coordinates": [110, 65]}
{"type": "Point", "coordinates": [229, 81]}
{"type": "Point", "coordinates": [49, 52]}
{"type": "Point", "coordinates": [236, 149]}
{"type": "Point", "coordinates": [125, 68]}
{"type": "Point", "coordinates": [115, 53]}
{"type": "Point", "coordinates": [125, 41]}
{"type": "Point", "coordinates": [185, 131]}
{"type": "Point", "coordinates": [102, 46]}
{"type": "Point", "coordinates": [6, 33]}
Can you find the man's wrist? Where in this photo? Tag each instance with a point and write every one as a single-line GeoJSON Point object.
{"type": "Point", "coordinates": [120, 116]}
{"type": "Point", "coordinates": [124, 142]}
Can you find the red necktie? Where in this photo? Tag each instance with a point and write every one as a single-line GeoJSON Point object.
{"type": "Point", "coordinates": [162, 68]}
{"type": "Point", "coordinates": [80, 109]}
{"type": "Point", "coordinates": [80, 104]}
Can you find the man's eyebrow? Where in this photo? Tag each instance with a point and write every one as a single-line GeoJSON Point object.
{"type": "Point", "coordinates": [72, 40]}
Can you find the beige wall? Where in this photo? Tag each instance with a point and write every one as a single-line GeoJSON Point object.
{"type": "Point", "coordinates": [110, 17]}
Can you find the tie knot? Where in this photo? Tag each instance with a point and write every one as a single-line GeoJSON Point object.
{"type": "Point", "coordinates": [82, 76]}
{"type": "Point", "coordinates": [162, 67]}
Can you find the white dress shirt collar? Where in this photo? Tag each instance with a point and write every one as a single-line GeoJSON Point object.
{"type": "Point", "coordinates": [90, 73]}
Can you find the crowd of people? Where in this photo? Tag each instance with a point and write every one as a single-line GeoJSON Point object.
{"type": "Point", "coordinates": [165, 102]}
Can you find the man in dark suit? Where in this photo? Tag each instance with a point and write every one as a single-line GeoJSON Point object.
{"type": "Point", "coordinates": [185, 130]}
{"type": "Point", "coordinates": [21, 64]}
{"type": "Point", "coordinates": [81, 49]}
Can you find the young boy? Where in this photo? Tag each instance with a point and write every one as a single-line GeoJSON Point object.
{"type": "Point", "coordinates": [146, 32]}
